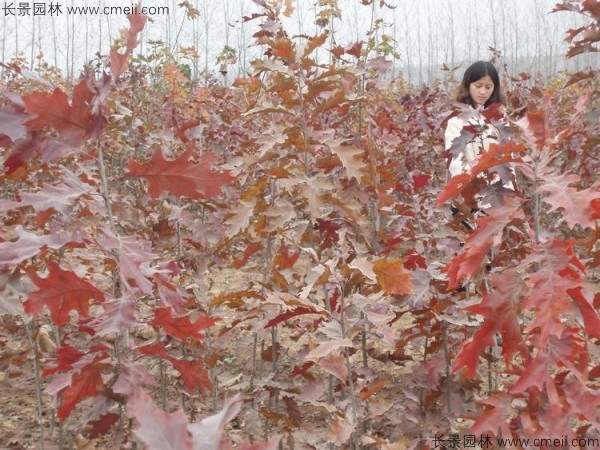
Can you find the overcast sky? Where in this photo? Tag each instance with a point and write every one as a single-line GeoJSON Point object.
{"type": "Point", "coordinates": [426, 32]}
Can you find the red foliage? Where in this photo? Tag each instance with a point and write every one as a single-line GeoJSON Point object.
{"type": "Point", "coordinates": [87, 382]}
{"type": "Point", "coordinates": [330, 247]}
{"type": "Point", "coordinates": [181, 327]}
{"type": "Point", "coordinates": [181, 177]}
{"type": "Point", "coordinates": [71, 121]}
{"type": "Point", "coordinates": [62, 292]}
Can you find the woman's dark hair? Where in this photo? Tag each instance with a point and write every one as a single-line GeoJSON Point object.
{"type": "Point", "coordinates": [476, 72]}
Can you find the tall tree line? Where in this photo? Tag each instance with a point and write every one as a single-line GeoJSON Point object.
{"type": "Point", "coordinates": [427, 33]}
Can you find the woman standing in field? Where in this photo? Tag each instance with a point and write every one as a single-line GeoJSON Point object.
{"type": "Point", "coordinates": [478, 121]}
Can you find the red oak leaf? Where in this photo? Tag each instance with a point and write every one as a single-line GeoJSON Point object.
{"type": "Point", "coordinates": [85, 383]}
{"type": "Point", "coordinates": [133, 376]}
{"type": "Point", "coordinates": [118, 61]}
{"type": "Point", "coordinates": [565, 350]}
{"type": "Point", "coordinates": [181, 177]}
{"type": "Point", "coordinates": [335, 365]}
{"type": "Point", "coordinates": [557, 270]}
{"type": "Point", "coordinates": [355, 49]}
{"type": "Point", "coordinates": [420, 180]}
{"type": "Point", "coordinates": [326, 348]}
{"type": "Point", "coordinates": [12, 122]}
{"type": "Point", "coordinates": [578, 207]}
{"type": "Point", "coordinates": [135, 256]}
{"type": "Point", "coordinates": [29, 245]}
{"type": "Point", "coordinates": [156, 429]}
{"type": "Point", "coordinates": [314, 42]}
{"type": "Point", "coordinates": [369, 391]}
{"type": "Point", "coordinates": [283, 259]}
{"type": "Point", "coordinates": [156, 349]}
{"type": "Point", "coordinates": [181, 327]}
{"type": "Point", "coordinates": [250, 250]}
{"type": "Point", "coordinates": [496, 155]}
{"type": "Point", "coordinates": [180, 132]}
{"type": "Point", "coordinates": [67, 355]}
{"type": "Point", "coordinates": [193, 372]}
{"type": "Point", "coordinates": [302, 369]}
{"type": "Point", "coordinates": [487, 235]}
{"type": "Point", "coordinates": [340, 430]}
{"type": "Point", "coordinates": [71, 121]}
{"type": "Point", "coordinates": [590, 316]}
{"type": "Point", "coordinates": [169, 294]}
{"type": "Point", "coordinates": [119, 314]}
{"type": "Point", "coordinates": [493, 417]}
{"type": "Point", "coordinates": [101, 425]}
{"type": "Point", "coordinates": [62, 291]}
{"type": "Point", "coordinates": [59, 197]}
{"type": "Point", "coordinates": [535, 127]}
{"type": "Point", "coordinates": [282, 47]}
{"type": "Point", "coordinates": [453, 188]}
{"type": "Point", "coordinates": [36, 145]}
{"type": "Point", "coordinates": [289, 314]}
{"type": "Point", "coordinates": [499, 310]}
{"type": "Point", "coordinates": [349, 156]}
{"type": "Point", "coordinates": [207, 433]}
{"type": "Point", "coordinates": [393, 277]}
{"type": "Point", "coordinates": [583, 400]}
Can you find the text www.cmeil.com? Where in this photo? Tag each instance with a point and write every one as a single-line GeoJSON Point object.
{"type": "Point", "coordinates": [24, 9]}
{"type": "Point", "coordinates": [485, 441]}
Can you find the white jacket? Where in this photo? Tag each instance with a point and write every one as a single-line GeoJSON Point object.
{"type": "Point", "coordinates": [467, 136]}
{"type": "Point", "coordinates": [478, 140]}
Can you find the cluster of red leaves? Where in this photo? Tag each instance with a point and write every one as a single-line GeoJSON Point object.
{"type": "Point", "coordinates": [324, 190]}
{"type": "Point", "coordinates": [90, 266]}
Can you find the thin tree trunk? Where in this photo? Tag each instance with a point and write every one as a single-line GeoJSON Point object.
{"type": "Point", "coordinates": [67, 52]}
{"type": "Point", "coordinates": [477, 29]}
{"type": "Point", "coordinates": [39, 36]}
{"type": "Point", "coordinates": [516, 42]}
{"type": "Point", "coordinates": [99, 35]}
{"type": "Point", "coordinates": [54, 42]}
{"type": "Point", "coordinates": [242, 41]}
{"type": "Point", "coordinates": [16, 37]}
{"type": "Point", "coordinates": [32, 42]}
{"type": "Point", "coordinates": [429, 46]}
{"type": "Point", "coordinates": [196, 40]}
{"type": "Point", "coordinates": [72, 42]}
{"type": "Point", "coordinates": [494, 40]}
{"type": "Point", "coordinates": [3, 46]}
{"type": "Point", "coordinates": [87, 39]}
{"type": "Point", "coordinates": [451, 40]}
{"type": "Point", "coordinates": [407, 39]}
{"type": "Point", "coordinates": [420, 48]}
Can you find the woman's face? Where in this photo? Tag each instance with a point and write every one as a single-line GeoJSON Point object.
{"type": "Point", "coordinates": [481, 90]}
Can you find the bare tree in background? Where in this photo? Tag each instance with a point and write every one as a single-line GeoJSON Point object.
{"type": "Point", "coordinates": [16, 36]}
{"type": "Point", "coordinates": [429, 44]}
{"type": "Point", "coordinates": [196, 44]}
{"type": "Point", "coordinates": [4, 27]}
{"type": "Point", "coordinates": [515, 43]}
{"type": "Point", "coordinates": [477, 31]}
{"type": "Point", "coordinates": [242, 43]}
{"type": "Point", "coordinates": [428, 32]}
{"type": "Point", "coordinates": [407, 41]}
{"type": "Point", "coordinates": [72, 42]}
{"type": "Point", "coordinates": [420, 48]}
{"type": "Point", "coordinates": [207, 16]}
{"type": "Point", "coordinates": [493, 20]}
{"type": "Point", "coordinates": [32, 53]}
{"type": "Point", "coordinates": [450, 44]}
